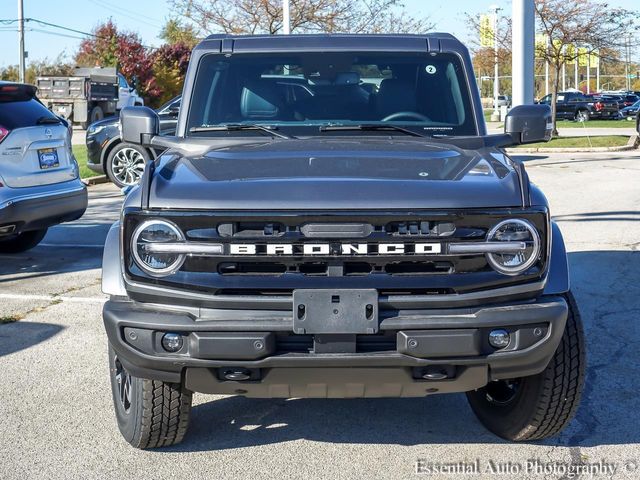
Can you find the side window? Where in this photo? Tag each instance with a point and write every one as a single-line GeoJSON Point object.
{"type": "Point", "coordinates": [546, 99]}
{"type": "Point", "coordinates": [122, 82]}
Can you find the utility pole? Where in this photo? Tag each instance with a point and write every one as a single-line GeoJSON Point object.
{"type": "Point", "coordinates": [575, 67]}
{"type": "Point", "coordinates": [627, 55]}
{"type": "Point", "coordinates": [598, 72]}
{"type": "Point", "coordinates": [546, 69]}
{"type": "Point", "coordinates": [286, 17]}
{"type": "Point", "coordinates": [564, 70]}
{"type": "Point", "coordinates": [495, 116]}
{"type": "Point", "coordinates": [588, 73]}
{"type": "Point", "coordinates": [21, 40]}
{"type": "Point", "coordinates": [522, 59]}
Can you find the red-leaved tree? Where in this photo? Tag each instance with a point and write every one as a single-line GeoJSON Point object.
{"type": "Point", "coordinates": [111, 48]}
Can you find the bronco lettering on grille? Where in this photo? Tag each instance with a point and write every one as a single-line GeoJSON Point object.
{"type": "Point", "coordinates": [325, 249]}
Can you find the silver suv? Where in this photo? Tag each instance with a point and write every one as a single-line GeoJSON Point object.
{"type": "Point", "coordinates": [39, 179]}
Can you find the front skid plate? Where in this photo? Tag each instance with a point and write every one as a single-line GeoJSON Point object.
{"type": "Point", "coordinates": [331, 382]}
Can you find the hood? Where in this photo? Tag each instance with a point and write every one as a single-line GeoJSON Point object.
{"type": "Point", "coordinates": [105, 122]}
{"type": "Point", "coordinates": [335, 174]}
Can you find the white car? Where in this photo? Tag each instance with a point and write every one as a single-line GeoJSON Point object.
{"type": "Point", "coordinates": [39, 178]}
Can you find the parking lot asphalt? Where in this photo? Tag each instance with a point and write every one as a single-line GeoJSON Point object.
{"type": "Point", "coordinates": [55, 403]}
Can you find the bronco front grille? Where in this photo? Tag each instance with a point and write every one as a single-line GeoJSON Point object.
{"type": "Point", "coordinates": [340, 259]}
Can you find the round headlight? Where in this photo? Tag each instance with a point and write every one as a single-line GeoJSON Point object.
{"type": "Point", "coordinates": [154, 232]}
{"type": "Point", "coordinates": [515, 230]}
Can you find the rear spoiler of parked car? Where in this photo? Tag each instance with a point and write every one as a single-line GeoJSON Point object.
{"type": "Point", "coordinates": [16, 92]}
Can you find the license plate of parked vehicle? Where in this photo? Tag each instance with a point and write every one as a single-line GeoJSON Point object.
{"type": "Point", "coordinates": [48, 158]}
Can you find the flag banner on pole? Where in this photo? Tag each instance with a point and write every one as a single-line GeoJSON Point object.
{"type": "Point", "coordinates": [570, 54]}
{"type": "Point", "coordinates": [541, 45]}
{"type": "Point", "coordinates": [486, 31]}
{"type": "Point", "coordinates": [582, 57]}
{"type": "Point", "coordinates": [594, 59]}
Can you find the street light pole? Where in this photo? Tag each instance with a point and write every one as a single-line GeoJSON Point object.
{"type": "Point", "coordinates": [522, 60]}
{"type": "Point", "coordinates": [575, 67]}
{"type": "Point", "coordinates": [21, 40]}
{"type": "Point", "coordinates": [495, 116]}
{"type": "Point", "coordinates": [627, 59]}
{"type": "Point", "coordinates": [286, 17]}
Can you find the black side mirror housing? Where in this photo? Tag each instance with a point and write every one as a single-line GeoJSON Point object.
{"type": "Point", "coordinates": [138, 125]}
{"type": "Point", "coordinates": [529, 124]}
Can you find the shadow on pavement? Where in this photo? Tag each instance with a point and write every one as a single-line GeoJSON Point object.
{"type": "Point", "coordinates": [20, 335]}
{"type": "Point", "coordinates": [607, 287]}
{"type": "Point", "coordinates": [70, 247]}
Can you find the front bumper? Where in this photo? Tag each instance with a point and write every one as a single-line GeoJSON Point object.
{"type": "Point", "coordinates": [450, 342]}
{"type": "Point", "coordinates": [94, 153]}
{"type": "Point", "coordinates": [41, 207]}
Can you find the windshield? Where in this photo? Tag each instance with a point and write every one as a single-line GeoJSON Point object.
{"type": "Point", "coordinates": [424, 92]}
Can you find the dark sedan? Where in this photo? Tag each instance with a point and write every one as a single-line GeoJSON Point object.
{"type": "Point", "coordinates": [124, 162]}
{"type": "Point", "coordinates": [631, 111]}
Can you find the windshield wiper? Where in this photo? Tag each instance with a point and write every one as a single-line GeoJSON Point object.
{"type": "Point", "coordinates": [232, 127]}
{"type": "Point", "coordinates": [365, 127]}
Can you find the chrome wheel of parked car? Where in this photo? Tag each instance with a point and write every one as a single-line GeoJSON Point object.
{"type": "Point", "coordinates": [125, 164]}
{"type": "Point", "coordinates": [582, 116]}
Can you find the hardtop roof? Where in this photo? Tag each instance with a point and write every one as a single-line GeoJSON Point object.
{"type": "Point", "coordinates": [435, 41]}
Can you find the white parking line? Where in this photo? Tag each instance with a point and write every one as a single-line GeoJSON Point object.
{"type": "Point", "coordinates": [51, 298]}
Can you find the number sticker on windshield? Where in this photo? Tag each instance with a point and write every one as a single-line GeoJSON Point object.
{"type": "Point", "coordinates": [430, 69]}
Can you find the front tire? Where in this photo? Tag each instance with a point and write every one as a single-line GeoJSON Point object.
{"type": "Point", "coordinates": [125, 164]}
{"type": "Point", "coordinates": [23, 241]}
{"type": "Point", "coordinates": [539, 406]}
{"type": "Point", "coordinates": [150, 413]}
{"type": "Point", "coordinates": [582, 116]}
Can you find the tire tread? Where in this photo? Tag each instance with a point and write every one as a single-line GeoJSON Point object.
{"type": "Point", "coordinates": [166, 409]}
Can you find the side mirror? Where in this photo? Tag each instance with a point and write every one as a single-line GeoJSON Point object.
{"type": "Point", "coordinates": [138, 125]}
{"type": "Point", "coordinates": [529, 124]}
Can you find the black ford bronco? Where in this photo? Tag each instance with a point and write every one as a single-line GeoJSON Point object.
{"type": "Point", "coordinates": [332, 220]}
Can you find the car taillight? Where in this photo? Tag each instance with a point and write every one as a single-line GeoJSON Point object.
{"type": "Point", "coordinates": [598, 106]}
{"type": "Point", "coordinates": [3, 133]}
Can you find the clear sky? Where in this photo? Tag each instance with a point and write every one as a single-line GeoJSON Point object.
{"type": "Point", "coordinates": [147, 16]}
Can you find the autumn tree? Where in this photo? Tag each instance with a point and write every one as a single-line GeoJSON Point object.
{"type": "Point", "coordinates": [593, 25]}
{"type": "Point", "coordinates": [306, 16]}
{"type": "Point", "coordinates": [56, 67]}
{"type": "Point", "coordinates": [170, 63]}
{"type": "Point", "coordinates": [175, 32]}
{"type": "Point", "coordinates": [108, 47]}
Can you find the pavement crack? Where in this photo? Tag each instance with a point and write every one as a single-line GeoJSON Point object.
{"type": "Point", "coordinates": [16, 317]}
{"type": "Point", "coordinates": [95, 283]}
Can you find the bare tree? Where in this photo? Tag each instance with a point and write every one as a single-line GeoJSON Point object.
{"type": "Point", "coordinates": [594, 26]}
{"type": "Point", "coordinates": [307, 16]}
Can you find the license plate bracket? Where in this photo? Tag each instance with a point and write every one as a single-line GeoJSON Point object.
{"type": "Point", "coordinates": [340, 311]}
{"type": "Point", "coordinates": [48, 158]}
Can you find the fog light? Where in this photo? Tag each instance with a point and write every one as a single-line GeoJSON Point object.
{"type": "Point", "coordinates": [172, 342]}
{"type": "Point", "coordinates": [499, 338]}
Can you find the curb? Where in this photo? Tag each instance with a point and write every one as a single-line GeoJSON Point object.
{"type": "Point", "coordinates": [98, 179]}
{"type": "Point", "coordinates": [632, 144]}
